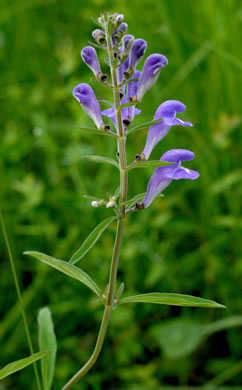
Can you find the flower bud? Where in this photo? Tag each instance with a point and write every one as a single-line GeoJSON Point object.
{"type": "Point", "coordinates": [95, 204]}
{"type": "Point", "coordinates": [99, 36]}
{"type": "Point", "coordinates": [119, 19]}
{"type": "Point", "coordinates": [110, 204]}
{"type": "Point", "coordinates": [117, 35]}
{"type": "Point", "coordinates": [127, 41]}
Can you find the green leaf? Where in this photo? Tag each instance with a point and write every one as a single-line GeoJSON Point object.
{"type": "Point", "coordinates": [145, 164]}
{"type": "Point", "coordinates": [172, 299]}
{"type": "Point", "coordinates": [47, 341]}
{"type": "Point", "coordinates": [143, 126]}
{"type": "Point", "coordinates": [128, 104]}
{"type": "Point", "coordinates": [107, 102]}
{"type": "Point", "coordinates": [100, 159]}
{"type": "Point", "coordinates": [90, 197]}
{"type": "Point", "coordinates": [93, 130]}
{"type": "Point", "coordinates": [91, 240]}
{"type": "Point", "coordinates": [66, 268]}
{"type": "Point", "coordinates": [178, 337]}
{"type": "Point", "coordinates": [20, 364]}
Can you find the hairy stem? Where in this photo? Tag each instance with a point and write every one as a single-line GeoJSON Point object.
{"type": "Point", "coordinates": [120, 224]}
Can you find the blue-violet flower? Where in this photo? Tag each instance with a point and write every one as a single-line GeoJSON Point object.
{"type": "Point", "coordinates": [150, 73]}
{"type": "Point", "coordinates": [158, 131]}
{"type": "Point", "coordinates": [86, 97]}
{"type": "Point", "coordinates": [163, 176]}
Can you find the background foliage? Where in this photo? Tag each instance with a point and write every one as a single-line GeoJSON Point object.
{"type": "Point", "coordinates": [187, 242]}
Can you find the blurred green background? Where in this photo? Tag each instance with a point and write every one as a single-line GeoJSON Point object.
{"type": "Point", "coordinates": [186, 242]}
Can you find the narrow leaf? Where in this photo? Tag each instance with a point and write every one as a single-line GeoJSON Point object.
{"type": "Point", "coordinates": [128, 104]}
{"type": "Point", "coordinates": [145, 164]}
{"type": "Point", "coordinates": [91, 240]}
{"type": "Point", "coordinates": [95, 45]}
{"type": "Point", "coordinates": [89, 197]}
{"type": "Point", "coordinates": [172, 299]}
{"type": "Point", "coordinates": [100, 159]}
{"type": "Point", "coordinates": [47, 341]}
{"type": "Point", "coordinates": [68, 269]}
{"type": "Point", "coordinates": [106, 60]}
{"type": "Point", "coordinates": [20, 364]}
{"type": "Point", "coordinates": [143, 125]}
{"type": "Point", "coordinates": [107, 102]}
{"type": "Point", "coordinates": [93, 130]}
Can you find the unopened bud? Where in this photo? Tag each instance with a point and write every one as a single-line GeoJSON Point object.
{"type": "Point", "coordinates": [140, 157]}
{"type": "Point", "coordinates": [95, 204]}
{"type": "Point", "coordinates": [110, 204]}
{"type": "Point", "coordinates": [139, 206]}
{"type": "Point", "coordinates": [99, 36]}
{"type": "Point", "coordinates": [119, 19]}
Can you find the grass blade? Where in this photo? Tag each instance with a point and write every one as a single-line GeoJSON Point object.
{"type": "Point", "coordinates": [47, 341]}
{"type": "Point", "coordinates": [26, 327]}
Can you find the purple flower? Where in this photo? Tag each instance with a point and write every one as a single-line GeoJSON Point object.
{"type": "Point", "coordinates": [150, 73]}
{"type": "Point", "coordinates": [131, 92]}
{"type": "Point", "coordinates": [125, 113]}
{"type": "Point", "coordinates": [121, 69]}
{"type": "Point", "coordinates": [157, 132]}
{"type": "Point", "coordinates": [89, 56]}
{"type": "Point", "coordinates": [127, 43]}
{"type": "Point", "coordinates": [86, 97]}
{"type": "Point", "coordinates": [137, 53]}
{"type": "Point", "coordinates": [163, 176]}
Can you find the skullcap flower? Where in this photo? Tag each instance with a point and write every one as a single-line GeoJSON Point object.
{"type": "Point", "coordinates": [150, 73]}
{"type": "Point", "coordinates": [89, 56]}
{"type": "Point", "coordinates": [131, 92]}
{"type": "Point", "coordinates": [163, 176]}
{"type": "Point", "coordinates": [137, 52]}
{"type": "Point", "coordinates": [158, 131]}
{"type": "Point", "coordinates": [86, 97]}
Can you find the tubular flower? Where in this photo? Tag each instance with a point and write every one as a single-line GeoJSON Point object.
{"type": "Point", "coordinates": [86, 97]}
{"type": "Point", "coordinates": [110, 113]}
{"type": "Point", "coordinates": [158, 131]}
{"type": "Point", "coordinates": [131, 92]}
{"type": "Point", "coordinates": [163, 176]}
{"type": "Point", "coordinates": [89, 56]}
{"type": "Point", "coordinates": [150, 73]}
{"type": "Point", "coordinates": [137, 52]}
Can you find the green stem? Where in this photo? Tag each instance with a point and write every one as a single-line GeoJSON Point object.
{"type": "Point", "coordinates": [19, 298]}
{"type": "Point", "coordinates": [120, 226]}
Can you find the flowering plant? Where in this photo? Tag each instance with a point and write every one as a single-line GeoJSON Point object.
{"type": "Point", "coordinates": [129, 86]}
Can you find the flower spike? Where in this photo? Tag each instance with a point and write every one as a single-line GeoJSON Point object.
{"type": "Point", "coordinates": [150, 73]}
{"type": "Point", "coordinates": [163, 176]}
{"type": "Point", "coordinates": [86, 97]}
{"type": "Point", "coordinates": [89, 56]}
{"type": "Point", "coordinates": [157, 132]}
